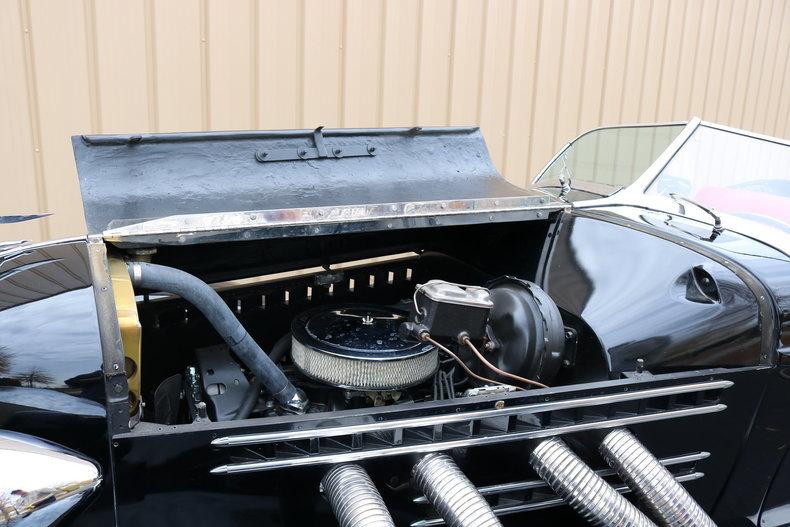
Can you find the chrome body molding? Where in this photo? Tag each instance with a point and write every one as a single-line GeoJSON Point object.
{"type": "Point", "coordinates": [260, 224]}
{"type": "Point", "coordinates": [425, 448]}
{"type": "Point", "coordinates": [40, 482]}
{"type": "Point", "coordinates": [432, 420]}
{"type": "Point", "coordinates": [467, 429]}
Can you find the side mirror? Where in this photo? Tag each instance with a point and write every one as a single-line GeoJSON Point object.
{"type": "Point", "coordinates": [40, 482]}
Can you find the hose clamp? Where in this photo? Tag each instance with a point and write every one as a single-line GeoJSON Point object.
{"type": "Point", "coordinates": [137, 272]}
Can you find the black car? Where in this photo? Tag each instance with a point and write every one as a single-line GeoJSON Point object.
{"type": "Point", "coordinates": [372, 327]}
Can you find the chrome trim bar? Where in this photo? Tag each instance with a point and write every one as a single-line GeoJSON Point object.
{"type": "Point", "coordinates": [275, 437]}
{"type": "Point", "coordinates": [186, 226]}
{"type": "Point", "coordinates": [552, 502]}
{"type": "Point", "coordinates": [515, 486]}
{"type": "Point", "coordinates": [424, 448]}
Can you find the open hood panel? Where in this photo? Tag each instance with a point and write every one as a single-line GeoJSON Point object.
{"type": "Point", "coordinates": [219, 186]}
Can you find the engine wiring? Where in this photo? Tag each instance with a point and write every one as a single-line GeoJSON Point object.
{"type": "Point", "coordinates": [427, 338]}
{"type": "Point", "coordinates": [468, 343]}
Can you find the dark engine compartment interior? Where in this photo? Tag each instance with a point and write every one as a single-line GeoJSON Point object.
{"type": "Point", "coordinates": [269, 284]}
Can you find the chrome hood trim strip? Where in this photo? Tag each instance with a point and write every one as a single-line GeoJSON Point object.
{"type": "Point", "coordinates": [260, 466]}
{"type": "Point", "coordinates": [274, 437]}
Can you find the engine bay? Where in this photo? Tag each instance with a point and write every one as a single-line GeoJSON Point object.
{"type": "Point", "coordinates": [361, 334]}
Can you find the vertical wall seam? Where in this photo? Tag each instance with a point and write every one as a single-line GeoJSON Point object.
{"type": "Point", "coordinates": [704, 112]}
{"type": "Point", "coordinates": [91, 45]}
{"type": "Point", "coordinates": [34, 114]}
{"type": "Point", "coordinates": [724, 62]}
{"type": "Point", "coordinates": [418, 61]}
{"type": "Point", "coordinates": [661, 63]}
{"type": "Point", "coordinates": [381, 67]}
{"type": "Point", "coordinates": [151, 66]}
{"type": "Point", "coordinates": [205, 65]}
{"type": "Point", "coordinates": [606, 62]}
{"type": "Point", "coordinates": [535, 71]}
{"type": "Point", "coordinates": [740, 122]}
{"type": "Point", "coordinates": [303, 63]}
{"type": "Point", "coordinates": [787, 116]}
{"type": "Point", "coordinates": [625, 64]}
{"type": "Point", "coordinates": [622, 82]}
{"type": "Point", "coordinates": [557, 102]}
{"type": "Point", "coordinates": [583, 72]}
{"type": "Point", "coordinates": [757, 97]}
{"type": "Point", "coordinates": [451, 69]}
{"type": "Point", "coordinates": [255, 106]}
{"type": "Point", "coordinates": [509, 92]}
{"type": "Point", "coordinates": [683, 36]}
{"type": "Point", "coordinates": [640, 100]}
{"type": "Point", "coordinates": [694, 59]}
{"type": "Point", "coordinates": [343, 48]}
{"type": "Point", "coordinates": [774, 128]}
{"type": "Point", "coordinates": [764, 126]}
{"type": "Point", "coordinates": [737, 70]}
{"type": "Point", "coordinates": [483, 58]}
{"type": "Point", "coordinates": [787, 121]}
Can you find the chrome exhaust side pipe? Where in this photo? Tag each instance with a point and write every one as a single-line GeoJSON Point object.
{"type": "Point", "coordinates": [354, 499]}
{"type": "Point", "coordinates": [451, 493]}
{"type": "Point", "coordinates": [584, 490]}
{"type": "Point", "coordinates": [667, 500]}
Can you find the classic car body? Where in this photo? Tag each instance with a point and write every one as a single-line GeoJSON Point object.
{"type": "Point", "coordinates": [559, 344]}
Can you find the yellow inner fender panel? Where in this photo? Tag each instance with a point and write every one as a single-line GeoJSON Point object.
{"type": "Point", "coordinates": [131, 331]}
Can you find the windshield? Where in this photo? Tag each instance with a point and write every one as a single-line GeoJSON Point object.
{"type": "Point", "coordinates": [609, 157]}
{"type": "Point", "coordinates": [734, 173]}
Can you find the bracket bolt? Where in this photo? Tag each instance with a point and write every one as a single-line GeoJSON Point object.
{"type": "Point", "coordinates": [640, 365]}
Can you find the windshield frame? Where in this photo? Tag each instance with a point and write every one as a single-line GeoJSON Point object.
{"type": "Point", "coordinates": [635, 194]}
{"type": "Point", "coordinates": [643, 182]}
{"type": "Point", "coordinates": [573, 141]}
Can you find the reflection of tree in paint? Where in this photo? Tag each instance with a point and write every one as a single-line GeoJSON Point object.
{"type": "Point", "coordinates": [5, 360]}
{"type": "Point", "coordinates": [35, 375]}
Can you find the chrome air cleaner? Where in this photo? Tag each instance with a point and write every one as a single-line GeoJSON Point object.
{"type": "Point", "coordinates": [358, 347]}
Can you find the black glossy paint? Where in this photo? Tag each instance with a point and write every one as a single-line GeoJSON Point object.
{"type": "Point", "coordinates": [51, 384]}
{"type": "Point", "coordinates": [636, 293]}
{"type": "Point", "coordinates": [758, 489]}
{"type": "Point", "coordinates": [747, 248]}
{"type": "Point", "coordinates": [163, 479]}
{"type": "Point", "coordinates": [49, 327]}
{"type": "Point", "coordinates": [163, 473]}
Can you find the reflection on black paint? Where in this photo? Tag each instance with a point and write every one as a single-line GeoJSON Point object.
{"type": "Point", "coordinates": [49, 335]}
{"type": "Point", "coordinates": [47, 344]}
{"type": "Point", "coordinates": [629, 287]}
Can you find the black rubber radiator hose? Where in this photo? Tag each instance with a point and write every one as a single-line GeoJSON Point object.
{"type": "Point", "coordinates": [198, 293]}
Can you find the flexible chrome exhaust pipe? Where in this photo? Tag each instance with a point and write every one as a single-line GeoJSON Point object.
{"type": "Point", "coordinates": [451, 493]}
{"type": "Point", "coordinates": [584, 490]}
{"type": "Point", "coordinates": [354, 499]}
{"type": "Point", "coordinates": [667, 500]}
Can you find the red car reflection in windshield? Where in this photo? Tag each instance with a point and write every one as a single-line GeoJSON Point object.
{"type": "Point", "coordinates": [746, 202]}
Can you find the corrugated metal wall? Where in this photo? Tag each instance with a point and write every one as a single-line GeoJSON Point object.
{"type": "Point", "coordinates": [532, 73]}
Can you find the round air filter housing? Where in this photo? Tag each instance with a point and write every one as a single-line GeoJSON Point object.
{"type": "Point", "coordinates": [358, 347]}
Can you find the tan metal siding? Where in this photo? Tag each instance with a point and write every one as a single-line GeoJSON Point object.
{"type": "Point", "coordinates": [532, 73]}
